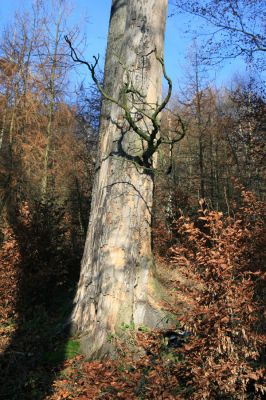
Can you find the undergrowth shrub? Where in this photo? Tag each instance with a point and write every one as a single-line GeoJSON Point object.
{"type": "Point", "coordinates": [9, 258]}
{"type": "Point", "coordinates": [226, 260]}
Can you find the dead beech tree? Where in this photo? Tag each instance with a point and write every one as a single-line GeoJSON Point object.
{"type": "Point", "coordinates": [115, 284]}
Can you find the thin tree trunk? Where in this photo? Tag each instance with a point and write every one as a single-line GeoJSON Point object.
{"type": "Point", "coordinates": [48, 164]}
{"type": "Point", "coordinates": [115, 281]}
{"type": "Point", "coordinates": [3, 128]}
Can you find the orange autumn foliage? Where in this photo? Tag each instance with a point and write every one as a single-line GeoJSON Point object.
{"type": "Point", "coordinates": [226, 259]}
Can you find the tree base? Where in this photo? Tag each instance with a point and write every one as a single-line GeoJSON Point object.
{"type": "Point", "coordinates": [102, 344]}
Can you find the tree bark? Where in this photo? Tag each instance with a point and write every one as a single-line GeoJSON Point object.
{"type": "Point", "coordinates": [115, 285]}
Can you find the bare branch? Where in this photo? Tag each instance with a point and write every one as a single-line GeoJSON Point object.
{"type": "Point", "coordinates": [149, 135]}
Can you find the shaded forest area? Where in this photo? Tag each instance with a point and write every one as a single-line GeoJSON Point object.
{"type": "Point", "coordinates": [208, 233]}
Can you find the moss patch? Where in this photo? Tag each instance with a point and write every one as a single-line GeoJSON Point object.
{"type": "Point", "coordinates": [64, 352]}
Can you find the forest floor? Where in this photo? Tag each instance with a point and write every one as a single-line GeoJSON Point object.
{"type": "Point", "coordinates": [40, 361]}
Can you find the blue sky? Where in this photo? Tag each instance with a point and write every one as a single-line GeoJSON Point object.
{"type": "Point", "coordinates": [92, 17]}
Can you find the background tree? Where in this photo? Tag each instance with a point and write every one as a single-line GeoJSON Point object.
{"type": "Point", "coordinates": [232, 127]}
{"type": "Point", "coordinates": [236, 28]}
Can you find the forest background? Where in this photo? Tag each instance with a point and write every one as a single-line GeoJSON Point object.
{"type": "Point", "coordinates": [208, 210]}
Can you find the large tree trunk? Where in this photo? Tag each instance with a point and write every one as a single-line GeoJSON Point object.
{"type": "Point", "coordinates": [116, 274]}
